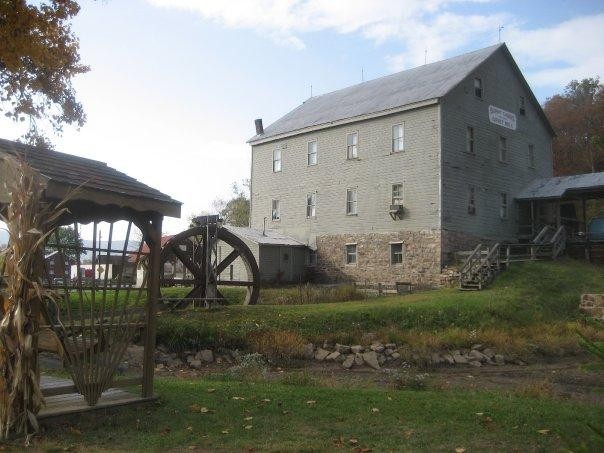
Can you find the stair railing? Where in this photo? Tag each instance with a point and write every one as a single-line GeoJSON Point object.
{"type": "Point", "coordinates": [558, 242]}
{"type": "Point", "coordinates": [470, 265]}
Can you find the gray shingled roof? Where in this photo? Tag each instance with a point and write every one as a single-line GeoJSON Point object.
{"type": "Point", "coordinates": [558, 186]}
{"type": "Point", "coordinates": [270, 237]}
{"type": "Point", "coordinates": [419, 84]}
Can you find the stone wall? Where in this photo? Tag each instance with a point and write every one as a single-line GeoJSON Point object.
{"type": "Point", "coordinates": [421, 258]}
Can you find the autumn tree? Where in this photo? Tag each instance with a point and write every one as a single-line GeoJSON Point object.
{"type": "Point", "coordinates": [236, 210]}
{"type": "Point", "coordinates": [39, 56]}
{"type": "Point", "coordinates": [577, 116]}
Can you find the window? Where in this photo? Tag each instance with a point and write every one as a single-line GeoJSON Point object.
{"type": "Point", "coordinates": [276, 160]}
{"type": "Point", "coordinates": [396, 253]}
{"type": "Point", "coordinates": [312, 258]}
{"type": "Point", "coordinates": [351, 254]}
{"type": "Point", "coordinates": [470, 140]}
{"type": "Point", "coordinates": [351, 202]}
{"type": "Point", "coordinates": [503, 209]}
{"type": "Point", "coordinates": [503, 149]}
{"type": "Point", "coordinates": [276, 210]}
{"type": "Point", "coordinates": [522, 106]}
{"type": "Point", "coordinates": [471, 200]}
{"type": "Point", "coordinates": [397, 194]}
{"type": "Point", "coordinates": [311, 205]}
{"type": "Point", "coordinates": [478, 87]}
{"type": "Point", "coordinates": [351, 145]}
{"type": "Point", "coordinates": [398, 134]}
{"type": "Point", "coordinates": [312, 153]}
{"type": "Point", "coordinates": [531, 156]}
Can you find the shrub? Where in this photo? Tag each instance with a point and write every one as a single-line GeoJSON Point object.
{"type": "Point", "coordinates": [278, 346]}
{"type": "Point", "coordinates": [253, 367]}
{"type": "Point", "coordinates": [310, 294]}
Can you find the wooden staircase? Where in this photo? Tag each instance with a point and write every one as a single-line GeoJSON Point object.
{"type": "Point", "coordinates": [483, 264]}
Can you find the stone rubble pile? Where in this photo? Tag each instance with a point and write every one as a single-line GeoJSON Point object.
{"type": "Point", "coordinates": [375, 355]}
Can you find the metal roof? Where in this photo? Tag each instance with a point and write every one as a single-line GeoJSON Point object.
{"type": "Point", "coordinates": [558, 186]}
{"type": "Point", "coordinates": [77, 171]}
{"type": "Point", "coordinates": [270, 237]}
{"type": "Point", "coordinates": [423, 83]}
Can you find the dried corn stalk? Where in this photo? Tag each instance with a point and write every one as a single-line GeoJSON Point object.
{"type": "Point", "coordinates": [29, 222]}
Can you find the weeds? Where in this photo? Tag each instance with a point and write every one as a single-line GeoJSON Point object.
{"type": "Point", "coordinates": [252, 368]}
{"type": "Point", "coordinates": [310, 294]}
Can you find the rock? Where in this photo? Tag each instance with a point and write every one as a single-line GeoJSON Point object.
{"type": "Point", "coordinates": [205, 355]}
{"type": "Point", "coordinates": [475, 363]}
{"type": "Point", "coordinates": [342, 348]}
{"type": "Point", "coordinates": [436, 358]}
{"type": "Point", "coordinates": [228, 359]}
{"type": "Point", "coordinates": [356, 349]}
{"type": "Point", "coordinates": [477, 347]}
{"type": "Point", "coordinates": [174, 363]}
{"type": "Point", "coordinates": [321, 354]}
{"type": "Point", "coordinates": [475, 354]}
{"type": "Point", "coordinates": [499, 359]}
{"type": "Point", "coordinates": [190, 358]}
{"type": "Point", "coordinates": [195, 363]}
{"type": "Point", "coordinates": [489, 353]}
{"type": "Point", "coordinates": [218, 360]}
{"type": "Point", "coordinates": [236, 355]}
{"type": "Point", "coordinates": [328, 344]}
{"type": "Point", "coordinates": [368, 338]}
{"type": "Point", "coordinates": [459, 359]}
{"type": "Point", "coordinates": [333, 356]}
{"type": "Point", "coordinates": [395, 356]}
{"type": "Point", "coordinates": [309, 351]}
{"type": "Point", "coordinates": [381, 359]}
{"type": "Point", "coordinates": [371, 359]}
{"type": "Point", "coordinates": [377, 347]}
{"type": "Point", "coordinates": [348, 362]}
{"type": "Point", "coordinates": [449, 359]}
{"type": "Point", "coordinates": [358, 359]}
{"type": "Point", "coordinates": [135, 354]}
{"type": "Point", "coordinates": [388, 351]}
{"type": "Point", "coordinates": [390, 345]}
{"type": "Point", "coordinates": [159, 367]}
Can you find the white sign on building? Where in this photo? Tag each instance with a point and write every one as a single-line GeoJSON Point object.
{"type": "Point", "coordinates": [502, 117]}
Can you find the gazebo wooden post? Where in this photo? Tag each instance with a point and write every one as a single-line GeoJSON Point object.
{"type": "Point", "coordinates": [154, 241]}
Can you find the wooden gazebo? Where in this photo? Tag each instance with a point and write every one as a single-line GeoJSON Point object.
{"type": "Point", "coordinates": [94, 316]}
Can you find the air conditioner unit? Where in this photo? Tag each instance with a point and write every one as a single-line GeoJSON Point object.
{"type": "Point", "coordinates": [396, 211]}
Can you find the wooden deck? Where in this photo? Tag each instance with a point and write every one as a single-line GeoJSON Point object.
{"type": "Point", "coordinates": [63, 404]}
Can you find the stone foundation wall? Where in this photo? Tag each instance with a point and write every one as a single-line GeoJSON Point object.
{"type": "Point", "coordinates": [421, 258]}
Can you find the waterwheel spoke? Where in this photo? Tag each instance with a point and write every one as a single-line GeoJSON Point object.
{"type": "Point", "coordinates": [231, 257]}
{"type": "Point", "coordinates": [189, 264]}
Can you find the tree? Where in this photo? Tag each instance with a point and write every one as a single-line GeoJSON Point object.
{"type": "Point", "coordinates": [577, 116]}
{"type": "Point", "coordinates": [39, 56]}
{"type": "Point", "coordinates": [68, 238]}
{"type": "Point", "coordinates": [236, 210]}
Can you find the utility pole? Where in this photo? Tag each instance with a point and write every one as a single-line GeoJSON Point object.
{"type": "Point", "coordinates": [500, 28]}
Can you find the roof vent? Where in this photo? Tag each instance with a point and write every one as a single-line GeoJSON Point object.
{"type": "Point", "coordinates": [259, 126]}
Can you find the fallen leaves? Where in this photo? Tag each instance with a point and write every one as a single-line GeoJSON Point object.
{"type": "Point", "coordinates": [196, 408]}
{"type": "Point", "coordinates": [248, 427]}
{"type": "Point", "coordinates": [311, 402]}
{"type": "Point", "coordinates": [375, 410]}
{"type": "Point", "coordinates": [460, 450]}
{"type": "Point", "coordinates": [238, 398]}
{"type": "Point", "coordinates": [543, 431]}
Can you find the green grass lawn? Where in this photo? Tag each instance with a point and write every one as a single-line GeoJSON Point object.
{"type": "Point", "coordinates": [278, 417]}
{"type": "Point", "coordinates": [536, 298]}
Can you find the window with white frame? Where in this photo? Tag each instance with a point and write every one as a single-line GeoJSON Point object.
{"type": "Point", "coordinates": [522, 103]}
{"type": "Point", "coordinates": [396, 253]}
{"type": "Point", "coordinates": [311, 205]}
{"type": "Point", "coordinates": [312, 153]}
{"type": "Point", "coordinates": [470, 147]}
{"type": "Point", "coordinates": [478, 87]}
{"type": "Point", "coordinates": [351, 201]}
{"type": "Point", "coordinates": [531, 156]}
{"type": "Point", "coordinates": [351, 254]}
{"type": "Point", "coordinates": [276, 161]}
{"type": "Point", "coordinates": [503, 208]}
{"type": "Point", "coordinates": [276, 210]}
{"type": "Point", "coordinates": [312, 258]}
{"type": "Point", "coordinates": [503, 149]}
{"type": "Point", "coordinates": [397, 194]}
{"type": "Point", "coordinates": [471, 200]}
{"type": "Point", "coordinates": [352, 140]}
{"type": "Point", "coordinates": [398, 137]}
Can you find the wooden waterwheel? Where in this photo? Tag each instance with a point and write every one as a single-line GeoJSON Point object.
{"type": "Point", "coordinates": [202, 259]}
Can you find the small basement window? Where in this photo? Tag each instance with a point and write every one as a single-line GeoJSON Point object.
{"type": "Point", "coordinates": [478, 87]}
{"type": "Point", "coordinates": [396, 253]}
{"type": "Point", "coordinates": [470, 140]}
{"type": "Point", "coordinates": [351, 253]}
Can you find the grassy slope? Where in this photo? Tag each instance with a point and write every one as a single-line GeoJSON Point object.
{"type": "Point", "coordinates": [407, 420]}
{"type": "Point", "coordinates": [527, 295]}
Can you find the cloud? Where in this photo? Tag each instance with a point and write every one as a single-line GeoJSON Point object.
{"type": "Point", "coordinates": [551, 55]}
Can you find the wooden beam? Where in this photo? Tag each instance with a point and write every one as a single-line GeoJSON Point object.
{"type": "Point", "coordinates": [153, 236]}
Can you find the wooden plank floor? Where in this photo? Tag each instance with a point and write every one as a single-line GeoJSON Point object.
{"type": "Point", "coordinates": [73, 403]}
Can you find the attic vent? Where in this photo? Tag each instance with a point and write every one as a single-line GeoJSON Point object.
{"type": "Point", "coordinates": [259, 126]}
